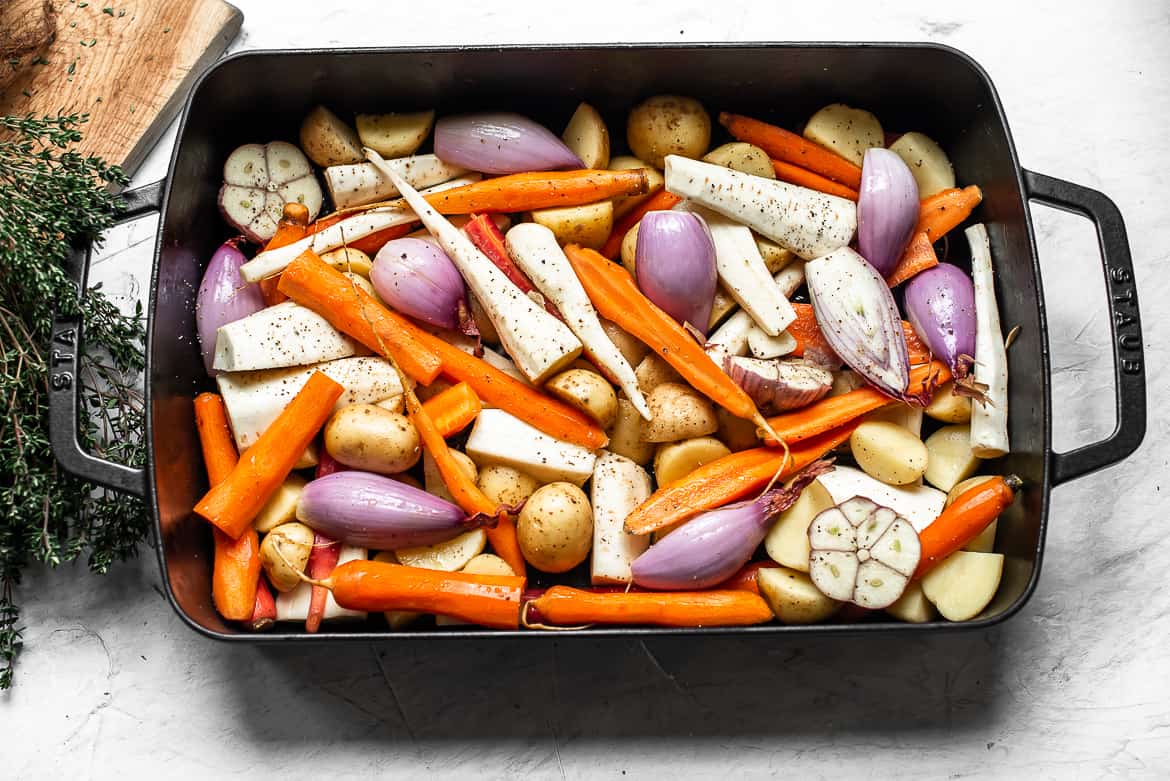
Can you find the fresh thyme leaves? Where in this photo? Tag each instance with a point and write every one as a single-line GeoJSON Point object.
{"type": "Point", "coordinates": [50, 196]}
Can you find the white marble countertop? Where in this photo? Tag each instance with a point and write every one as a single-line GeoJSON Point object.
{"type": "Point", "coordinates": [112, 684]}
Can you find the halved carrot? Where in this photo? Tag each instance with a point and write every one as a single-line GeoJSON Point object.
{"type": "Point", "coordinates": [235, 565]}
{"type": "Point", "coordinates": [566, 606]}
{"type": "Point", "coordinates": [919, 256]}
{"type": "Point", "coordinates": [809, 339]}
{"type": "Point", "coordinates": [377, 586]}
{"type": "Point", "coordinates": [660, 201]}
{"type": "Point", "coordinates": [794, 174]}
{"type": "Point", "coordinates": [789, 147]}
{"type": "Point", "coordinates": [834, 411]}
{"type": "Point", "coordinates": [943, 211]}
{"type": "Point", "coordinates": [232, 504]}
{"type": "Point", "coordinates": [493, 386]}
{"type": "Point", "coordinates": [964, 519]}
{"type": "Point", "coordinates": [726, 479]}
{"type": "Point", "coordinates": [539, 190]}
{"type": "Point", "coordinates": [454, 409]}
{"type": "Point", "coordinates": [616, 296]}
{"type": "Point", "coordinates": [463, 489]}
{"type": "Point", "coordinates": [313, 283]}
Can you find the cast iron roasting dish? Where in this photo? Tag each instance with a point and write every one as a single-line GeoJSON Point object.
{"type": "Point", "coordinates": [262, 95]}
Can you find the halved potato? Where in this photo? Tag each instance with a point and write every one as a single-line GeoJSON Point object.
{"type": "Point", "coordinates": [735, 432]}
{"type": "Point", "coordinates": [433, 480]}
{"type": "Point", "coordinates": [793, 597]}
{"type": "Point", "coordinates": [963, 584]}
{"type": "Point", "coordinates": [623, 205]}
{"type": "Point", "coordinates": [630, 249]}
{"type": "Point", "coordinates": [625, 438]}
{"type": "Point", "coordinates": [846, 130]}
{"type": "Point", "coordinates": [653, 371]}
{"type": "Point", "coordinates": [912, 607]}
{"type": "Point", "coordinates": [394, 135]}
{"type": "Point", "coordinates": [678, 411]}
{"type": "Point", "coordinates": [281, 507]}
{"type": "Point", "coordinates": [450, 556]}
{"type": "Point", "coordinates": [676, 460]}
{"type": "Point", "coordinates": [950, 457]}
{"type": "Point", "coordinates": [948, 406]}
{"type": "Point", "coordinates": [632, 349]}
{"type": "Point", "coordinates": [329, 141]}
{"type": "Point", "coordinates": [588, 137]}
{"type": "Point", "coordinates": [775, 257]}
{"type": "Point", "coordinates": [587, 391]}
{"type": "Point", "coordinates": [928, 162]}
{"type": "Point", "coordinates": [787, 540]}
{"type": "Point", "coordinates": [349, 259]}
{"type": "Point", "coordinates": [741, 156]}
{"type": "Point", "coordinates": [588, 225]}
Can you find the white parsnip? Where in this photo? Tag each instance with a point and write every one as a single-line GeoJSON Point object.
{"type": "Point", "coordinates": [540, 344]}
{"type": "Point", "coordinates": [360, 225]}
{"type": "Point", "coordinates": [743, 272]}
{"type": "Point", "coordinates": [536, 252]}
{"type": "Point", "coordinates": [989, 417]}
{"type": "Point", "coordinates": [355, 184]}
{"type": "Point", "coordinates": [619, 485]}
{"type": "Point", "coordinates": [732, 336]}
{"type": "Point", "coordinates": [805, 221]}
{"type": "Point", "coordinates": [287, 334]}
{"type": "Point", "coordinates": [761, 345]}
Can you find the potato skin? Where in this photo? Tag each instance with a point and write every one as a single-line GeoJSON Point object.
{"type": "Point", "coordinates": [505, 485]}
{"type": "Point", "coordinates": [888, 452]}
{"type": "Point", "coordinates": [284, 552]}
{"type": "Point", "coordinates": [678, 412]}
{"type": "Point", "coordinates": [329, 141]}
{"type": "Point", "coordinates": [625, 437]}
{"type": "Point", "coordinates": [744, 157]}
{"type": "Point", "coordinates": [588, 225]}
{"type": "Point", "coordinates": [588, 392]}
{"type": "Point", "coordinates": [555, 527]}
{"type": "Point", "coordinates": [668, 125]}
{"type": "Point", "coordinates": [366, 436]}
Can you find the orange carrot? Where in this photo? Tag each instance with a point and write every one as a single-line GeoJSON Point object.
{"type": "Point", "coordinates": [539, 190]}
{"type": "Point", "coordinates": [810, 339]}
{"type": "Point", "coordinates": [660, 201]}
{"type": "Point", "coordinates": [377, 586]}
{"type": "Point", "coordinates": [829, 413]}
{"type": "Point", "coordinates": [745, 578]}
{"type": "Point", "coordinates": [726, 479]}
{"type": "Point", "coordinates": [802, 177]}
{"type": "Point", "coordinates": [313, 283]}
{"type": "Point", "coordinates": [565, 606]}
{"type": "Point", "coordinates": [964, 519]}
{"type": "Point", "coordinates": [322, 561]}
{"type": "Point", "coordinates": [453, 409]}
{"type": "Point", "coordinates": [232, 504]}
{"type": "Point", "coordinates": [368, 244]}
{"type": "Point", "coordinates": [235, 565]}
{"type": "Point", "coordinates": [943, 211]}
{"type": "Point", "coordinates": [463, 489]}
{"type": "Point", "coordinates": [616, 296]}
{"type": "Point", "coordinates": [783, 145]}
{"type": "Point", "coordinates": [919, 256]}
{"type": "Point", "coordinates": [293, 226]}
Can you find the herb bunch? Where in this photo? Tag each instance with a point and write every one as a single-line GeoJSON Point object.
{"type": "Point", "coordinates": [50, 197]}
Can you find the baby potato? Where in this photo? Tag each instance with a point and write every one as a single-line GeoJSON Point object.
{"type": "Point", "coordinates": [741, 156]}
{"type": "Point", "coordinates": [951, 459]}
{"type": "Point", "coordinates": [349, 259]}
{"type": "Point", "coordinates": [329, 141]}
{"type": "Point", "coordinates": [284, 553]}
{"type": "Point", "coordinates": [927, 161]}
{"type": "Point", "coordinates": [776, 258]}
{"type": "Point", "coordinates": [631, 349]}
{"type": "Point", "coordinates": [668, 125]}
{"type": "Point", "coordinates": [888, 452]}
{"type": "Point", "coordinates": [653, 371]}
{"type": "Point", "coordinates": [678, 412]}
{"type": "Point", "coordinates": [949, 407]}
{"type": "Point", "coordinates": [623, 206]}
{"type": "Point", "coordinates": [630, 248]}
{"type": "Point", "coordinates": [787, 540]}
{"type": "Point", "coordinates": [793, 597]}
{"type": "Point", "coordinates": [588, 137]}
{"type": "Point", "coordinates": [555, 528]}
{"type": "Point", "coordinates": [366, 436]}
{"type": "Point", "coordinates": [433, 480]}
{"type": "Point", "coordinates": [505, 485]}
{"type": "Point", "coordinates": [846, 130]}
{"type": "Point", "coordinates": [394, 135]}
{"type": "Point", "coordinates": [487, 564]}
{"type": "Point", "coordinates": [588, 225]}
{"type": "Point", "coordinates": [735, 432]}
{"type": "Point", "coordinates": [281, 508]}
{"type": "Point", "coordinates": [912, 607]}
{"type": "Point", "coordinates": [587, 391]}
{"type": "Point", "coordinates": [676, 460]}
{"type": "Point", "coordinates": [625, 438]}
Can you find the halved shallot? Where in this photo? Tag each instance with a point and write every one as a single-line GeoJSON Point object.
{"type": "Point", "coordinates": [779, 385]}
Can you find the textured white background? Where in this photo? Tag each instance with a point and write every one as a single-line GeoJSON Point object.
{"type": "Point", "coordinates": [113, 685]}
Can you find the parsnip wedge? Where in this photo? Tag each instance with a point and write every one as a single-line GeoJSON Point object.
{"type": "Point", "coordinates": [537, 253]}
{"type": "Point", "coordinates": [355, 184]}
{"type": "Point", "coordinates": [963, 584]}
{"type": "Point", "coordinates": [619, 485]}
{"type": "Point", "coordinates": [540, 344]}
{"type": "Point", "coordinates": [808, 222]}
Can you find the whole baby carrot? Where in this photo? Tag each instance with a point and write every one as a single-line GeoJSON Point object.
{"type": "Point", "coordinates": [565, 606]}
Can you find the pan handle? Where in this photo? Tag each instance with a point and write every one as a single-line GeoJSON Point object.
{"type": "Point", "coordinates": [1124, 322]}
{"type": "Point", "coordinates": [64, 355]}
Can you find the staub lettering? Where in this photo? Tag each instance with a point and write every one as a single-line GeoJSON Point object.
{"type": "Point", "coordinates": [1125, 318]}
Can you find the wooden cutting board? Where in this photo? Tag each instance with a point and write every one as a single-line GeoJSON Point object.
{"type": "Point", "coordinates": [128, 63]}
